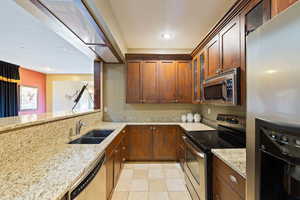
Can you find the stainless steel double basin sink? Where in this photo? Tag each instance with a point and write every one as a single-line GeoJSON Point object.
{"type": "Point", "coordinates": [92, 137]}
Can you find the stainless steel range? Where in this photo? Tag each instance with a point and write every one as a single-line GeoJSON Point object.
{"type": "Point", "coordinates": [198, 157]}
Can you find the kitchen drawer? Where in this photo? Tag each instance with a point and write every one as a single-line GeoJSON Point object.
{"type": "Point", "coordinates": [222, 191]}
{"type": "Point", "coordinates": [111, 147]}
{"type": "Point", "coordinates": [228, 175]}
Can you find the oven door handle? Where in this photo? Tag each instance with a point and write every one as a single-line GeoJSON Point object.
{"type": "Point", "coordinates": [190, 146]}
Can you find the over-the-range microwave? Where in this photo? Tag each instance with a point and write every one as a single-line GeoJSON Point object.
{"type": "Point", "coordinates": [222, 89]}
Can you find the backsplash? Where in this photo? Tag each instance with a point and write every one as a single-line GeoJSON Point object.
{"type": "Point", "coordinates": [116, 109]}
{"type": "Point", "coordinates": [210, 118]}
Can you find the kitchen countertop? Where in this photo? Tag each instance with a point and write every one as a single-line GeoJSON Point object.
{"type": "Point", "coordinates": [234, 158]}
{"type": "Point", "coordinates": [48, 172]}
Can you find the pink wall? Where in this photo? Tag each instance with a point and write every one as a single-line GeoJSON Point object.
{"type": "Point", "coordinates": [35, 79]}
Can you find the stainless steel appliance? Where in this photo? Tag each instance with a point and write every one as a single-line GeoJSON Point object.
{"type": "Point", "coordinates": [273, 90]}
{"type": "Point", "coordinates": [198, 158]}
{"type": "Point", "coordinates": [279, 152]}
{"type": "Point", "coordinates": [223, 88]}
{"type": "Point", "coordinates": [92, 185]}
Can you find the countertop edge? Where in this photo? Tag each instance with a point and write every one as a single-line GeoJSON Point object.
{"type": "Point", "coordinates": [229, 164]}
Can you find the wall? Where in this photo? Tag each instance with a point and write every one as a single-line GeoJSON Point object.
{"type": "Point", "coordinates": [35, 79]}
{"type": "Point", "coordinates": [115, 108]}
{"type": "Point", "coordinates": [62, 77]}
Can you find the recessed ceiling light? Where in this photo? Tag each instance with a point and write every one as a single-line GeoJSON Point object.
{"type": "Point", "coordinates": [49, 69]}
{"type": "Point", "coordinates": [166, 36]}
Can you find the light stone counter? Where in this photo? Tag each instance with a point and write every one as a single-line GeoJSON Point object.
{"type": "Point", "coordinates": [234, 158]}
{"type": "Point", "coordinates": [47, 171]}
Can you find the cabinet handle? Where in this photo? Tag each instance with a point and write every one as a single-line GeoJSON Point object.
{"type": "Point", "coordinates": [233, 179]}
{"type": "Point", "coordinates": [154, 128]}
{"type": "Point", "coordinates": [123, 159]}
{"type": "Point", "coordinates": [116, 151]}
{"type": "Point", "coordinates": [123, 131]}
{"type": "Point", "coordinates": [124, 148]}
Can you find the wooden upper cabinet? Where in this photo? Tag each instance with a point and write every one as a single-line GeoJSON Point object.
{"type": "Point", "coordinates": [167, 82]}
{"type": "Point", "coordinates": [165, 142]}
{"type": "Point", "coordinates": [280, 5]}
{"type": "Point", "coordinates": [230, 45]}
{"type": "Point", "coordinates": [184, 82]}
{"type": "Point", "coordinates": [149, 82]}
{"type": "Point", "coordinates": [133, 82]}
{"type": "Point", "coordinates": [139, 139]}
{"type": "Point", "coordinates": [196, 80]}
{"type": "Point", "coordinates": [213, 60]}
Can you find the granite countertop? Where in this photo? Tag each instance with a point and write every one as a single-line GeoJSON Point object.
{"type": "Point", "coordinates": [234, 158]}
{"type": "Point", "coordinates": [48, 172]}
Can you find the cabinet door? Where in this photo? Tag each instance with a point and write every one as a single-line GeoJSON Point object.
{"type": "Point", "coordinates": [139, 143]}
{"type": "Point", "coordinates": [184, 82]}
{"type": "Point", "coordinates": [117, 163]}
{"type": "Point", "coordinates": [230, 45]}
{"type": "Point", "coordinates": [213, 58]}
{"type": "Point", "coordinates": [280, 5]}
{"type": "Point", "coordinates": [196, 80]}
{"type": "Point", "coordinates": [167, 82]}
{"type": "Point", "coordinates": [149, 76]}
{"type": "Point", "coordinates": [165, 142]}
{"type": "Point", "coordinates": [133, 82]}
{"type": "Point", "coordinates": [109, 174]}
{"type": "Point", "coordinates": [221, 191]}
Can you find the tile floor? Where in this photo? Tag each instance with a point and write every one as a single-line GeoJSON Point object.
{"type": "Point", "coordinates": [151, 181]}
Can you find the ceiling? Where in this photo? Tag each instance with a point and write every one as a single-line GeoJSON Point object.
{"type": "Point", "coordinates": [28, 42]}
{"type": "Point", "coordinates": [142, 22]}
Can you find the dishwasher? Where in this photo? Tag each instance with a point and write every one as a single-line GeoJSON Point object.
{"type": "Point", "coordinates": [92, 185]}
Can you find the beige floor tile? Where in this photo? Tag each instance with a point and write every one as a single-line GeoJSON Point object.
{"type": "Point", "coordinates": [140, 174]}
{"type": "Point", "coordinates": [139, 185]}
{"type": "Point", "coordinates": [179, 196]}
{"type": "Point", "coordinates": [138, 196]}
{"type": "Point", "coordinates": [157, 185]}
{"type": "Point", "coordinates": [128, 166]}
{"type": "Point", "coordinates": [155, 165]}
{"type": "Point", "coordinates": [126, 174]}
{"type": "Point", "coordinates": [158, 196]}
{"type": "Point", "coordinates": [173, 173]}
{"type": "Point", "coordinates": [120, 195]}
{"type": "Point", "coordinates": [176, 185]}
{"type": "Point", "coordinates": [141, 166]}
{"type": "Point", "coordinates": [170, 165]}
{"type": "Point", "coordinates": [156, 174]}
{"type": "Point", "coordinates": [123, 185]}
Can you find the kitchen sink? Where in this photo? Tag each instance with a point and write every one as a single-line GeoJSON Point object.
{"type": "Point", "coordinates": [87, 140]}
{"type": "Point", "coordinates": [92, 137]}
{"type": "Point", "coordinates": [99, 133]}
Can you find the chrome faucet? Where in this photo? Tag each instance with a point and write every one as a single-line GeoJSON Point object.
{"type": "Point", "coordinates": [79, 125]}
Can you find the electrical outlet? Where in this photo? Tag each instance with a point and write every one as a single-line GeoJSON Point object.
{"type": "Point", "coordinates": [208, 111]}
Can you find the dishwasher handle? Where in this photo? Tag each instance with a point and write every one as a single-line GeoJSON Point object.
{"type": "Point", "coordinates": [87, 180]}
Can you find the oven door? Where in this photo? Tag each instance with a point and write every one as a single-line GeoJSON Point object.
{"type": "Point", "coordinates": [195, 170]}
{"type": "Point", "coordinates": [222, 89]}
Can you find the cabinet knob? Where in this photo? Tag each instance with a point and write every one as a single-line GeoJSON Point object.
{"type": "Point", "coordinates": [124, 148]}
{"type": "Point", "coordinates": [153, 128]}
{"type": "Point", "coordinates": [233, 179]}
{"type": "Point", "coordinates": [123, 159]}
{"type": "Point", "coordinates": [124, 131]}
{"type": "Point", "coordinates": [116, 151]}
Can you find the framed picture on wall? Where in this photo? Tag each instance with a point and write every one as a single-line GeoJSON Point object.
{"type": "Point", "coordinates": [28, 98]}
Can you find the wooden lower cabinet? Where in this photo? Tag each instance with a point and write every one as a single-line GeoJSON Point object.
{"type": "Point", "coordinates": [140, 143]}
{"type": "Point", "coordinates": [164, 142]}
{"type": "Point", "coordinates": [115, 158]}
{"type": "Point", "coordinates": [146, 143]}
{"type": "Point", "coordinates": [227, 183]}
{"type": "Point", "coordinates": [109, 175]}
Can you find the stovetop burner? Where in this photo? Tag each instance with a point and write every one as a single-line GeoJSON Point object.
{"type": "Point", "coordinates": [228, 135]}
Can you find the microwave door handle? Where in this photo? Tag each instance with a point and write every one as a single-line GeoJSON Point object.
{"type": "Point", "coordinates": [224, 91]}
